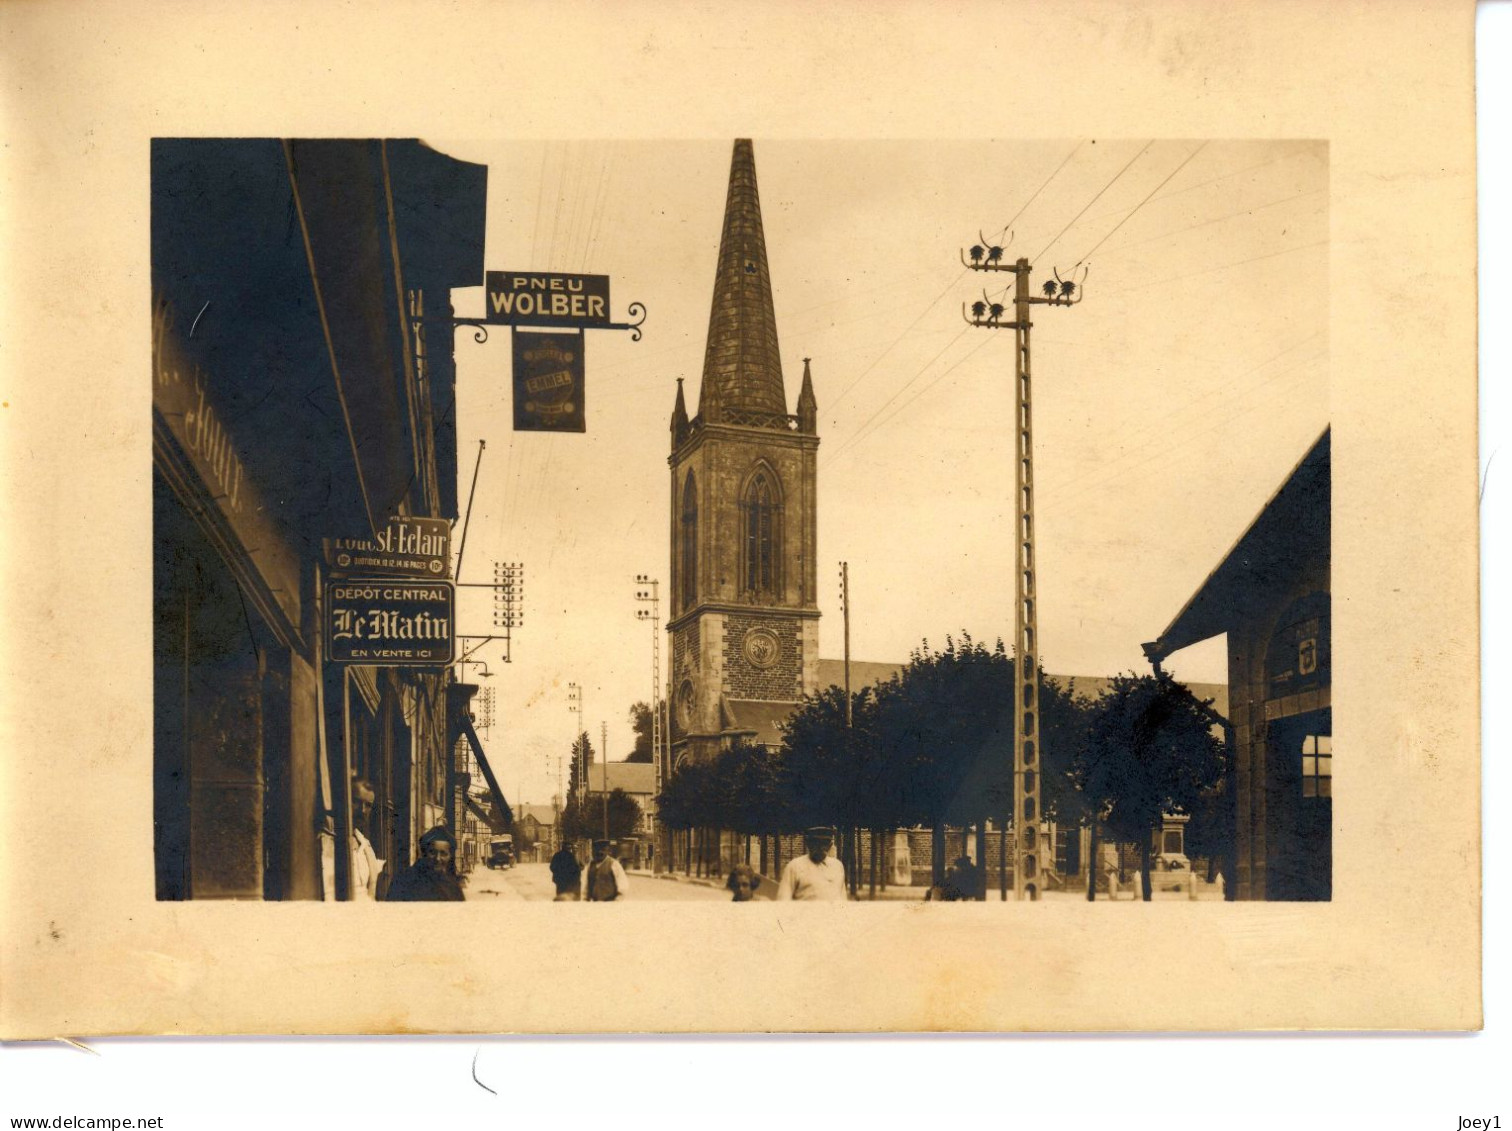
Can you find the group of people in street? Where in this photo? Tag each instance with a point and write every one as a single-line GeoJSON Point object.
{"type": "Point", "coordinates": [603, 881]}
{"type": "Point", "coordinates": [816, 875]}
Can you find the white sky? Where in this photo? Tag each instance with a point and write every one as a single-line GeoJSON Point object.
{"type": "Point", "coordinates": [1169, 404]}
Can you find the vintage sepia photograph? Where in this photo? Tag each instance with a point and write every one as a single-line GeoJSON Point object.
{"type": "Point", "coordinates": [739, 521]}
{"type": "Point", "coordinates": [527, 457]}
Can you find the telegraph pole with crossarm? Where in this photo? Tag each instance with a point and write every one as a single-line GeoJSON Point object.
{"type": "Point", "coordinates": [1027, 755]}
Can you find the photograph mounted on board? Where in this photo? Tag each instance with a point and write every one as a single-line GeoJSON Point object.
{"type": "Point", "coordinates": [990, 483]}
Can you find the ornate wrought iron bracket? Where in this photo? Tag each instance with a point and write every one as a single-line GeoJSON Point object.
{"type": "Point", "coordinates": [481, 326]}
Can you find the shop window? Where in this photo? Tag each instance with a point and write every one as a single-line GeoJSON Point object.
{"type": "Point", "coordinates": [1317, 765]}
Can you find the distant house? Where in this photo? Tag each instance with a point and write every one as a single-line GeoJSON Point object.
{"type": "Point", "coordinates": [535, 824]}
{"type": "Point", "coordinates": [638, 779]}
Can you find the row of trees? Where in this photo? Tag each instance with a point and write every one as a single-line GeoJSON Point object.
{"type": "Point", "coordinates": [616, 818]}
{"type": "Point", "coordinates": [931, 747]}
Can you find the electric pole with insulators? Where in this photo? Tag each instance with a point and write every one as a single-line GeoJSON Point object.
{"type": "Point", "coordinates": [649, 594]}
{"type": "Point", "coordinates": [1028, 757]}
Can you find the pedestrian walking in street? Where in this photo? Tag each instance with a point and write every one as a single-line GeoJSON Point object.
{"type": "Point", "coordinates": [743, 882]}
{"type": "Point", "coordinates": [566, 874]}
{"type": "Point", "coordinates": [817, 875]}
{"type": "Point", "coordinates": [606, 879]}
{"type": "Point", "coordinates": [434, 875]}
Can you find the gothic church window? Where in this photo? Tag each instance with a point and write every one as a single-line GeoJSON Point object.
{"type": "Point", "coordinates": [688, 556]}
{"type": "Point", "coordinates": [761, 513]}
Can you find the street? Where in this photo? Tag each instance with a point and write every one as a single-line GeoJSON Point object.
{"type": "Point", "coordinates": [533, 882]}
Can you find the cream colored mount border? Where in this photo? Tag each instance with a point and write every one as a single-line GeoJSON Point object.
{"type": "Point", "coordinates": [85, 950]}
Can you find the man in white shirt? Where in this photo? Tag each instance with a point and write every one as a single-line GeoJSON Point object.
{"type": "Point", "coordinates": [817, 875]}
{"type": "Point", "coordinates": [367, 865]}
{"type": "Point", "coordinates": [604, 880]}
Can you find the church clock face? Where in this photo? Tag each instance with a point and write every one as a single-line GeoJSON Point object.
{"type": "Point", "coordinates": [761, 647]}
{"type": "Point", "coordinates": [684, 706]}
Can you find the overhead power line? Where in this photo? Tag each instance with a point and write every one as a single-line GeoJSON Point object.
{"type": "Point", "coordinates": [1094, 200]}
{"type": "Point", "coordinates": [954, 281]}
{"type": "Point", "coordinates": [1145, 201]}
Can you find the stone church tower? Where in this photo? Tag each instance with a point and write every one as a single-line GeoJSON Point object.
{"type": "Point", "coordinates": [744, 623]}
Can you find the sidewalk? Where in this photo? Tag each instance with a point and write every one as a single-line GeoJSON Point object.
{"type": "Point", "coordinates": [894, 893]}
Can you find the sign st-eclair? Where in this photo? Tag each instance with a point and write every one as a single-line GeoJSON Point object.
{"type": "Point", "coordinates": [418, 547]}
{"type": "Point", "coordinates": [399, 608]}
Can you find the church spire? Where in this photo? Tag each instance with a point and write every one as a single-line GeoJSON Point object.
{"type": "Point", "coordinates": [742, 374]}
{"type": "Point", "coordinates": [808, 407]}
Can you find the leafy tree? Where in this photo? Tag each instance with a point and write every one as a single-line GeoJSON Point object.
{"type": "Point", "coordinates": [688, 797]}
{"type": "Point", "coordinates": [640, 720]}
{"type": "Point", "coordinates": [1150, 751]}
{"type": "Point", "coordinates": [584, 819]}
{"type": "Point", "coordinates": [1210, 833]}
{"type": "Point", "coordinates": [581, 758]}
{"type": "Point", "coordinates": [822, 766]}
{"type": "Point", "coordinates": [932, 746]}
{"type": "Point", "coordinates": [750, 791]}
{"type": "Point", "coordinates": [945, 724]}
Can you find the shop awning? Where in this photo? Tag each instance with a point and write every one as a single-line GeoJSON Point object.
{"type": "Point", "coordinates": [494, 822]}
{"type": "Point", "coordinates": [489, 816]}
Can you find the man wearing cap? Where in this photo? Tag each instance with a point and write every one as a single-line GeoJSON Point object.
{"type": "Point", "coordinates": [605, 879]}
{"type": "Point", "coordinates": [817, 875]}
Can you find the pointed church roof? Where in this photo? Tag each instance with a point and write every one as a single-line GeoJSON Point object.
{"type": "Point", "coordinates": [679, 417]}
{"type": "Point", "coordinates": [808, 407]}
{"type": "Point", "coordinates": [742, 369]}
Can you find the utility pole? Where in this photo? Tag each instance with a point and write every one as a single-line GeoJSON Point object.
{"type": "Point", "coordinates": [853, 846]}
{"type": "Point", "coordinates": [650, 593]}
{"type": "Point", "coordinates": [509, 601]}
{"type": "Point", "coordinates": [467, 519]}
{"type": "Point", "coordinates": [579, 767]}
{"type": "Point", "coordinates": [845, 616]}
{"type": "Point", "coordinates": [604, 775]}
{"type": "Point", "coordinates": [1027, 760]}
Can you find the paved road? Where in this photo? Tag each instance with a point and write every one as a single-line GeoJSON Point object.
{"type": "Point", "coordinates": [533, 882]}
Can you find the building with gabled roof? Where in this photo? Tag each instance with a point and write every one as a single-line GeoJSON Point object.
{"type": "Point", "coordinates": [1270, 594]}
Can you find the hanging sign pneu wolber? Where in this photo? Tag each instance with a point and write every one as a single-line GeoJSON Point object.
{"type": "Point", "coordinates": [546, 298]}
{"type": "Point", "coordinates": [389, 621]}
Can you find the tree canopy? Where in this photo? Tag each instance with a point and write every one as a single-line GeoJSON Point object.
{"type": "Point", "coordinates": [640, 720]}
{"type": "Point", "coordinates": [584, 819]}
{"type": "Point", "coordinates": [1150, 751]}
{"type": "Point", "coordinates": [932, 745]}
{"type": "Point", "coordinates": [580, 758]}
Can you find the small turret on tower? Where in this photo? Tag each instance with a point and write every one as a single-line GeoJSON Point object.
{"type": "Point", "coordinates": [679, 418]}
{"type": "Point", "coordinates": [808, 407]}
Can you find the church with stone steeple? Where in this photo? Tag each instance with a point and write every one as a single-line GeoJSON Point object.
{"type": "Point", "coordinates": [744, 622]}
